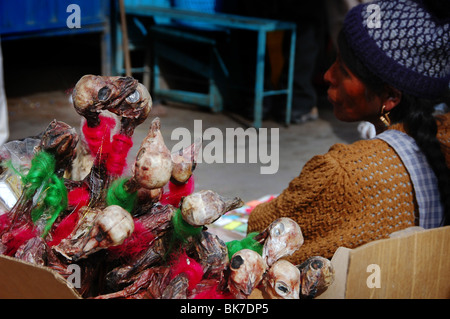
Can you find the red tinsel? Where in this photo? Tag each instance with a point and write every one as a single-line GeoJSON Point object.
{"type": "Point", "coordinates": [77, 198]}
{"type": "Point", "coordinates": [4, 222]}
{"type": "Point", "coordinates": [139, 241]}
{"type": "Point", "coordinates": [64, 229]}
{"type": "Point", "coordinates": [99, 136]}
{"type": "Point", "coordinates": [15, 238]}
{"type": "Point", "coordinates": [117, 159]}
{"type": "Point", "coordinates": [188, 266]}
{"type": "Point", "coordinates": [176, 192]}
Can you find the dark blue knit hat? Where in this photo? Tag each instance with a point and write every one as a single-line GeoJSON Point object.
{"type": "Point", "coordinates": [403, 44]}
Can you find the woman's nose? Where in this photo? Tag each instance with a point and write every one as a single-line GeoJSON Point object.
{"type": "Point", "coordinates": [328, 76]}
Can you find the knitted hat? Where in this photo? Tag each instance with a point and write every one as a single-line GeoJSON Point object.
{"type": "Point", "coordinates": [403, 44]}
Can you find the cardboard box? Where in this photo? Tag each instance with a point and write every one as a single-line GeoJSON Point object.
{"type": "Point", "coordinates": [413, 266]}
{"type": "Point", "coordinates": [23, 280]}
{"type": "Point", "coordinates": [416, 265]}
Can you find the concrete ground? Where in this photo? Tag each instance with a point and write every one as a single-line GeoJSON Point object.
{"type": "Point", "coordinates": [218, 170]}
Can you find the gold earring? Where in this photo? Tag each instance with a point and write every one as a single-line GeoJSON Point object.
{"type": "Point", "coordinates": [384, 117]}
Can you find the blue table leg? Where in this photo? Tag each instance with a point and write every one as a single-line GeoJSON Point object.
{"type": "Point", "coordinates": [119, 68]}
{"type": "Point", "coordinates": [259, 80]}
{"type": "Point", "coordinates": [106, 51]}
{"type": "Point", "coordinates": [290, 77]}
{"type": "Point", "coordinates": [156, 73]}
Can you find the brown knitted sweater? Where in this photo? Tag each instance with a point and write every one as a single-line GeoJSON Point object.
{"type": "Point", "coordinates": [347, 197]}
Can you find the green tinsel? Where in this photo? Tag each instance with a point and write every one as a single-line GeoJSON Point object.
{"type": "Point", "coordinates": [247, 243]}
{"type": "Point", "coordinates": [42, 167]}
{"type": "Point", "coordinates": [55, 201]}
{"type": "Point", "coordinates": [117, 195]}
{"type": "Point", "coordinates": [182, 230]}
{"type": "Point", "coordinates": [42, 174]}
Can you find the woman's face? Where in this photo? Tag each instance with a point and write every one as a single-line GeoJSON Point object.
{"type": "Point", "coordinates": [349, 95]}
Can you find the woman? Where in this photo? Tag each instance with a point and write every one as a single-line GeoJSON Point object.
{"type": "Point", "coordinates": [391, 74]}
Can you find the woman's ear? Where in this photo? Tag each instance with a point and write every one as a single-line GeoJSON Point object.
{"type": "Point", "coordinates": [393, 98]}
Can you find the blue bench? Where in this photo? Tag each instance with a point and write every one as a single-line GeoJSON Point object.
{"type": "Point", "coordinates": [260, 26]}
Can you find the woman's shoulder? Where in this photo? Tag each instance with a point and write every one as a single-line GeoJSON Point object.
{"type": "Point", "coordinates": [359, 151]}
{"type": "Point", "coordinates": [349, 164]}
{"type": "Point", "coordinates": [346, 162]}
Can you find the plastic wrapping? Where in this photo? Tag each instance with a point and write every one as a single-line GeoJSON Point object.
{"type": "Point", "coordinates": [10, 189]}
{"type": "Point", "coordinates": [20, 152]}
{"type": "Point", "coordinates": [15, 156]}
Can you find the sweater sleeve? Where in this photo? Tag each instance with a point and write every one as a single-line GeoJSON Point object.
{"type": "Point", "coordinates": [315, 200]}
{"type": "Point", "coordinates": [336, 199]}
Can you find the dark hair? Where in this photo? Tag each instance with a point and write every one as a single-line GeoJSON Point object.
{"type": "Point", "coordinates": [417, 116]}
{"type": "Point", "coordinates": [440, 9]}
